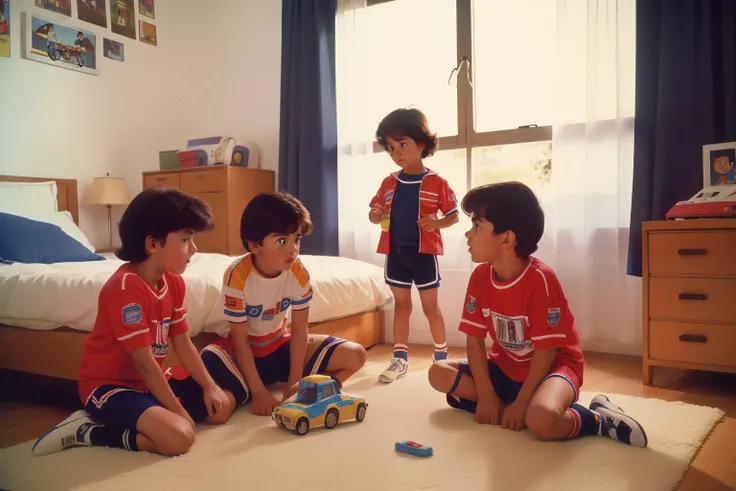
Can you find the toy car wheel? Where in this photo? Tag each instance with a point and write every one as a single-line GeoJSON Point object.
{"type": "Point", "coordinates": [331, 418]}
{"type": "Point", "coordinates": [302, 426]}
{"type": "Point", "coordinates": [360, 413]}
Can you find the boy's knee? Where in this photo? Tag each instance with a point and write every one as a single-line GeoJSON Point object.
{"type": "Point", "coordinates": [541, 421]}
{"type": "Point", "coordinates": [441, 376]}
{"type": "Point", "coordinates": [358, 356]}
{"type": "Point", "coordinates": [431, 310]}
{"type": "Point", "coordinates": [221, 417]}
{"type": "Point", "coordinates": [402, 305]}
{"type": "Point", "coordinates": [177, 440]}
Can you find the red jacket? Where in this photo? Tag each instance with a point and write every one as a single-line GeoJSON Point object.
{"type": "Point", "coordinates": [434, 195]}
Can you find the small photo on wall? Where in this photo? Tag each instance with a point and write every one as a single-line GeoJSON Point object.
{"type": "Point", "coordinates": [55, 43]}
{"type": "Point", "coordinates": [146, 7]}
{"type": "Point", "coordinates": [92, 11]}
{"type": "Point", "coordinates": [719, 164]}
{"type": "Point", "coordinates": [113, 49]}
{"type": "Point", "coordinates": [63, 7]}
{"type": "Point", "coordinates": [5, 28]}
{"type": "Point", "coordinates": [122, 18]}
{"type": "Point", "coordinates": [148, 33]}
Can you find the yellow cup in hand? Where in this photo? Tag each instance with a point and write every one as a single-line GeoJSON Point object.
{"type": "Point", "coordinates": [385, 222]}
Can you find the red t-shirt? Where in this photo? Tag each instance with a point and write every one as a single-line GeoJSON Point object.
{"type": "Point", "coordinates": [130, 315]}
{"type": "Point", "coordinates": [522, 315]}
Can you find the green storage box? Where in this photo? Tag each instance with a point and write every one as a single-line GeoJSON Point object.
{"type": "Point", "coordinates": [169, 159]}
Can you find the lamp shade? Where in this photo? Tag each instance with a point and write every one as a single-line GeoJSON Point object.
{"type": "Point", "coordinates": [108, 191]}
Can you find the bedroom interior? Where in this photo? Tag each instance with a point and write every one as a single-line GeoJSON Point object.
{"type": "Point", "coordinates": [593, 136]}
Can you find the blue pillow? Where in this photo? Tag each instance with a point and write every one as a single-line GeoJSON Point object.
{"type": "Point", "coordinates": [28, 241]}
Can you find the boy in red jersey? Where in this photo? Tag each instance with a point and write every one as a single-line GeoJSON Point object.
{"type": "Point", "coordinates": [130, 401]}
{"type": "Point", "coordinates": [532, 374]}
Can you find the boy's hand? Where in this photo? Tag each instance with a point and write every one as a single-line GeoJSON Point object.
{"type": "Point", "coordinates": [289, 390]}
{"type": "Point", "coordinates": [214, 399]}
{"type": "Point", "coordinates": [514, 415]}
{"type": "Point", "coordinates": [377, 213]}
{"type": "Point", "coordinates": [263, 404]}
{"type": "Point", "coordinates": [488, 410]}
{"type": "Point", "coordinates": [428, 223]}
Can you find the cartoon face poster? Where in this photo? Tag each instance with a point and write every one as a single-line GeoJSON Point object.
{"type": "Point", "coordinates": [5, 28]}
{"type": "Point", "coordinates": [719, 164]}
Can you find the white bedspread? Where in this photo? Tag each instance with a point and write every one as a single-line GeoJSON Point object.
{"type": "Point", "coordinates": [47, 296]}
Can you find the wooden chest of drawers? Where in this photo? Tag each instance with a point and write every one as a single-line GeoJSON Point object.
{"type": "Point", "coordinates": [227, 189]}
{"type": "Point", "coordinates": [689, 295]}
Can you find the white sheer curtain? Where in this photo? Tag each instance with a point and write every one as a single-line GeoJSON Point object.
{"type": "Point", "coordinates": [588, 198]}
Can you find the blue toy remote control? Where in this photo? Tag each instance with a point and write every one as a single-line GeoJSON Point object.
{"type": "Point", "coordinates": [414, 448]}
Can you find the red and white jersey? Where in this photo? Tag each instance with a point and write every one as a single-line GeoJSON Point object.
{"type": "Point", "coordinates": [263, 303]}
{"type": "Point", "coordinates": [527, 313]}
{"type": "Point", "coordinates": [131, 314]}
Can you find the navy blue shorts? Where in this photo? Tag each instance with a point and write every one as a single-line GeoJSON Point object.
{"type": "Point", "coordinates": [406, 267]}
{"type": "Point", "coordinates": [118, 406]}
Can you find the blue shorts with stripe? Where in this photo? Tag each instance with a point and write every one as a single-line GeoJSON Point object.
{"type": "Point", "coordinates": [406, 267]}
{"type": "Point", "coordinates": [119, 406]}
{"type": "Point", "coordinates": [275, 367]}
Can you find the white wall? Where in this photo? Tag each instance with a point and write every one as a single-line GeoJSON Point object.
{"type": "Point", "coordinates": [216, 70]}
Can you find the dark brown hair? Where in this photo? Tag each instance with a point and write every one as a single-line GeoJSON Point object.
{"type": "Point", "coordinates": [157, 212]}
{"type": "Point", "coordinates": [273, 213]}
{"type": "Point", "coordinates": [408, 122]}
{"type": "Point", "coordinates": [509, 206]}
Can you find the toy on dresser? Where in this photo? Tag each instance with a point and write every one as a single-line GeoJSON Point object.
{"type": "Point", "coordinates": [216, 150]}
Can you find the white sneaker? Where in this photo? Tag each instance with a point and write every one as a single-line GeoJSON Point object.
{"type": "Point", "coordinates": [69, 433]}
{"type": "Point", "coordinates": [399, 368]}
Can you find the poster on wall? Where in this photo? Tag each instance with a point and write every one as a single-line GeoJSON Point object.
{"type": "Point", "coordinates": [5, 28]}
{"type": "Point", "coordinates": [122, 18]}
{"type": "Point", "coordinates": [63, 7]}
{"type": "Point", "coordinates": [55, 43]}
{"type": "Point", "coordinates": [146, 7]}
{"type": "Point", "coordinates": [113, 50]}
{"type": "Point", "coordinates": [147, 33]}
{"type": "Point", "coordinates": [92, 11]}
{"type": "Point", "coordinates": [719, 164]}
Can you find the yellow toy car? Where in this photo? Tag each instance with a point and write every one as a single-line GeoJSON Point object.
{"type": "Point", "coordinates": [318, 402]}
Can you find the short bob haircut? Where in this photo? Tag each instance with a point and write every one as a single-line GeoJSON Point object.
{"type": "Point", "coordinates": [408, 122]}
{"type": "Point", "coordinates": [273, 213]}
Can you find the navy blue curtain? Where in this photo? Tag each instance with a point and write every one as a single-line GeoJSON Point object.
{"type": "Point", "coordinates": [308, 133]}
{"type": "Point", "coordinates": [685, 98]}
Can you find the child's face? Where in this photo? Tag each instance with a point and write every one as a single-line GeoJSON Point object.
{"type": "Point", "coordinates": [277, 253]}
{"type": "Point", "coordinates": [404, 152]}
{"type": "Point", "coordinates": [175, 254]}
{"type": "Point", "coordinates": [722, 164]}
{"type": "Point", "coordinates": [484, 245]}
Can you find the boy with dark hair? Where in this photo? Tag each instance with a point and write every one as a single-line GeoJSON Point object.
{"type": "Point", "coordinates": [408, 201]}
{"type": "Point", "coordinates": [130, 400]}
{"type": "Point", "coordinates": [259, 289]}
{"type": "Point", "coordinates": [531, 377]}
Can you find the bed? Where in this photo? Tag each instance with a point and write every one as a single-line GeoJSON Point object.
{"type": "Point", "coordinates": [46, 310]}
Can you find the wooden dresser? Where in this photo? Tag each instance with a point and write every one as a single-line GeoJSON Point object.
{"type": "Point", "coordinates": [689, 295]}
{"type": "Point", "coordinates": [227, 189]}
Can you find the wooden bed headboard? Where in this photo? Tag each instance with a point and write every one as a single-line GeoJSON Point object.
{"type": "Point", "coordinates": [66, 195]}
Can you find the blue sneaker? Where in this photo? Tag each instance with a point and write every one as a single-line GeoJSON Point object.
{"type": "Point", "coordinates": [72, 432]}
{"type": "Point", "coordinates": [616, 424]}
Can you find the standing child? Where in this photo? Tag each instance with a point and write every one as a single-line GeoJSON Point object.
{"type": "Point", "coordinates": [259, 289]}
{"type": "Point", "coordinates": [408, 200]}
{"type": "Point", "coordinates": [130, 401]}
{"type": "Point", "coordinates": [533, 372]}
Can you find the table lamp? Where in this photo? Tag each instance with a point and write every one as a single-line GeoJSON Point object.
{"type": "Point", "coordinates": [109, 191]}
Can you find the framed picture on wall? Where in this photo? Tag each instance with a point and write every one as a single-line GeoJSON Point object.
{"type": "Point", "coordinates": [92, 11]}
{"type": "Point", "coordinates": [147, 33]}
{"type": "Point", "coordinates": [719, 164]}
{"type": "Point", "coordinates": [146, 7]}
{"type": "Point", "coordinates": [113, 50]}
{"type": "Point", "coordinates": [122, 18]}
{"type": "Point", "coordinates": [60, 44]}
{"type": "Point", "coordinates": [5, 28]}
{"type": "Point", "coordinates": [63, 7]}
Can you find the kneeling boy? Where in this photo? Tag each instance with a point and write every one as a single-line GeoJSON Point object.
{"type": "Point", "coordinates": [259, 289]}
{"type": "Point", "coordinates": [533, 372]}
{"type": "Point", "coordinates": [130, 401]}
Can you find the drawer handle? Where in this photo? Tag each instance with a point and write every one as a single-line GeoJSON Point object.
{"type": "Point", "coordinates": [693, 338]}
{"type": "Point", "coordinates": [692, 296]}
{"type": "Point", "coordinates": [692, 252]}
{"type": "Point", "coordinates": [161, 179]}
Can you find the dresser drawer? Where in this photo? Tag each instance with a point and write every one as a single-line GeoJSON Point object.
{"type": "Point", "coordinates": [169, 180]}
{"type": "Point", "coordinates": [692, 252]}
{"type": "Point", "coordinates": [204, 181]}
{"type": "Point", "coordinates": [703, 299]}
{"type": "Point", "coordinates": [707, 344]}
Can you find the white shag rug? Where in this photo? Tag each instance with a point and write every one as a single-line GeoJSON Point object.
{"type": "Point", "coordinates": [251, 453]}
